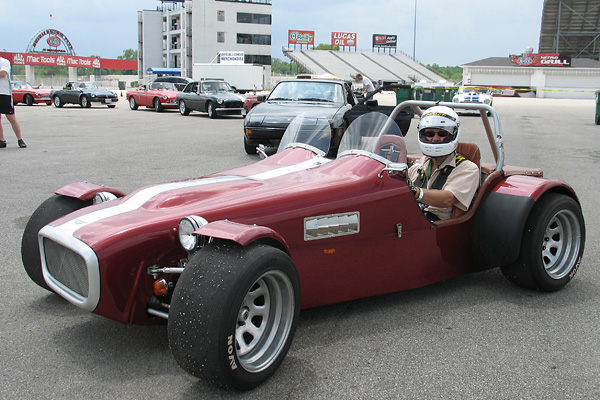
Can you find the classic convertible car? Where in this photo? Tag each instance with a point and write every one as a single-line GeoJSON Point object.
{"type": "Point", "coordinates": [228, 260]}
{"type": "Point", "coordinates": [158, 95]}
{"type": "Point", "coordinates": [84, 94]}
{"type": "Point", "coordinates": [213, 97]}
{"type": "Point", "coordinates": [23, 92]}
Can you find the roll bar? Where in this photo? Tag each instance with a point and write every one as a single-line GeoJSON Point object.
{"type": "Point", "coordinates": [494, 135]}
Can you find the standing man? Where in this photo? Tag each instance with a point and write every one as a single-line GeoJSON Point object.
{"type": "Point", "coordinates": [6, 104]}
{"type": "Point", "coordinates": [367, 84]}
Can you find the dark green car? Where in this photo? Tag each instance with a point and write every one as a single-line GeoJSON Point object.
{"type": "Point", "coordinates": [597, 119]}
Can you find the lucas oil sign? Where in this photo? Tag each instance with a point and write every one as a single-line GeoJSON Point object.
{"type": "Point", "coordinates": [343, 39]}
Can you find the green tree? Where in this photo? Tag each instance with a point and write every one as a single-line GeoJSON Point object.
{"type": "Point", "coordinates": [453, 74]}
{"type": "Point", "coordinates": [280, 67]}
{"type": "Point", "coordinates": [323, 46]}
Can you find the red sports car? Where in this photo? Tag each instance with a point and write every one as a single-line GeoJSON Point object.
{"type": "Point", "coordinates": [228, 260]}
{"type": "Point", "coordinates": [159, 95]}
{"type": "Point", "coordinates": [23, 92]}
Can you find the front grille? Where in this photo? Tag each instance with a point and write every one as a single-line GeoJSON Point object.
{"type": "Point", "coordinates": [67, 267]}
{"type": "Point", "coordinates": [234, 104]}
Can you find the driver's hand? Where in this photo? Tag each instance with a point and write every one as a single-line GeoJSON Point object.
{"type": "Point", "coordinates": [411, 186]}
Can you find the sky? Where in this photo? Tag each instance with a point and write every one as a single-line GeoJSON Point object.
{"type": "Point", "coordinates": [448, 32]}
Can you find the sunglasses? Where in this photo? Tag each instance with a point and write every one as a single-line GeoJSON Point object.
{"type": "Point", "coordinates": [430, 134]}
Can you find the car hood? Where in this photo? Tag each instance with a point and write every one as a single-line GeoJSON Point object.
{"type": "Point", "coordinates": [226, 95]}
{"type": "Point", "coordinates": [265, 194]}
{"type": "Point", "coordinates": [284, 112]}
{"type": "Point", "coordinates": [99, 92]}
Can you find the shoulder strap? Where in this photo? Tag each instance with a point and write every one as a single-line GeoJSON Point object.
{"type": "Point", "coordinates": [441, 179]}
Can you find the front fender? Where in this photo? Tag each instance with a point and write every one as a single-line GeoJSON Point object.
{"type": "Point", "coordinates": [500, 219]}
{"type": "Point", "coordinates": [239, 233]}
{"type": "Point", "coordinates": [86, 190]}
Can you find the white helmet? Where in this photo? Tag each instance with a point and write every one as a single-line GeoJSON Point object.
{"type": "Point", "coordinates": [439, 117]}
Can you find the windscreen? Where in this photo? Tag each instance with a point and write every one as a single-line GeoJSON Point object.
{"type": "Point", "coordinates": [309, 132]}
{"type": "Point", "coordinates": [363, 134]}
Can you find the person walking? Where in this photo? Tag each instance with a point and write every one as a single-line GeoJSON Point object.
{"type": "Point", "coordinates": [6, 104]}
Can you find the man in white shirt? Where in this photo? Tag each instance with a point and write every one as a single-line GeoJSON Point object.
{"type": "Point", "coordinates": [6, 104]}
{"type": "Point", "coordinates": [367, 84]}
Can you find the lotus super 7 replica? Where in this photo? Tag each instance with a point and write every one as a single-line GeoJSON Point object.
{"type": "Point", "coordinates": [228, 260]}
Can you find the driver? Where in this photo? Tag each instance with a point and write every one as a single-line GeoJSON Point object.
{"type": "Point", "coordinates": [442, 178]}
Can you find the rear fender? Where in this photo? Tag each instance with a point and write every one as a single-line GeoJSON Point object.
{"type": "Point", "coordinates": [241, 233]}
{"type": "Point", "coordinates": [86, 190]}
{"type": "Point", "coordinates": [500, 220]}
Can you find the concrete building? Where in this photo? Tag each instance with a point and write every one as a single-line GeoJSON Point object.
{"type": "Point", "coordinates": [180, 33]}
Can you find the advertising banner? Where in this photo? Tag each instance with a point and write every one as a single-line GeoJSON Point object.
{"type": "Point", "coordinates": [343, 39]}
{"type": "Point", "coordinates": [231, 57]}
{"type": "Point", "coordinates": [63, 60]}
{"type": "Point", "coordinates": [301, 37]}
{"type": "Point", "coordinates": [542, 60]}
{"type": "Point", "coordinates": [385, 41]}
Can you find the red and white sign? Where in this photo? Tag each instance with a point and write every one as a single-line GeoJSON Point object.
{"type": "Point", "coordinates": [343, 39]}
{"type": "Point", "coordinates": [63, 60]}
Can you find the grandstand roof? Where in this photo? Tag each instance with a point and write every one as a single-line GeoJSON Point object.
{"type": "Point", "coordinates": [572, 27]}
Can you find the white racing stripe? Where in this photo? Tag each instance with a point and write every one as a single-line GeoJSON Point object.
{"type": "Point", "coordinates": [143, 196]}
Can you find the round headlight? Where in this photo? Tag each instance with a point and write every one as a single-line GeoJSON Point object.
{"type": "Point", "coordinates": [93, 95]}
{"type": "Point", "coordinates": [164, 96]}
{"type": "Point", "coordinates": [455, 100]}
{"type": "Point", "coordinates": [487, 101]}
{"type": "Point", "coordinates": [185, 230]}
{"type": "Point", "coordinates": [220, 100]}
{"type": "Point", "coordinates": [101, 197]}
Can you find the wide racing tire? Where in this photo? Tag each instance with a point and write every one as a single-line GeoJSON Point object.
{"type": "Point", "coordinates": [50, 210]}
{"type": "Point", "coordinates": [552, 245]}
{"type": "Point", "coordinates": [234, 313]}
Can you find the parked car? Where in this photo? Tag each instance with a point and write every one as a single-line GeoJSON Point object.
{"type": "Point", "coordinates": [179, 81]}
{"type": "Point", "coordinates": [228, 260]}
{"type": "Point", "coordinates": [23, 92]}
{"type": "Point", "coordinates": [213, 97]}
{"type": "Point", "coordinates": [84, 94]}
{"type": "Point", "coordinates": [332, 100]}
{"type": "Point", "coordinates": [157, 95]}
{"type": "Point", "coordinates": [473, 94]}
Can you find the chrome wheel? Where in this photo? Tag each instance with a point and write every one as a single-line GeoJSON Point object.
{"type": "Point", "coordinates": [561, 244]}
{"type": "Point", "coordinates": [264, 321]}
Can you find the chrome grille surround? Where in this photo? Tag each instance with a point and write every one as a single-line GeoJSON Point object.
{"type": "Point", "coordinates": [70, 267]}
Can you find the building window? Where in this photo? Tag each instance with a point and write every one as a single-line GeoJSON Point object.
{"type": "Point", "coordinates": [256, 59]}
{"type": "Point", "coordinates": [247, 18]}
{"type": "Point", "coordinates": [220, 37]}
{"type": "Point", "coordinates": [221, 16]}
{"type": "Point", "coordinates": [248, 38]}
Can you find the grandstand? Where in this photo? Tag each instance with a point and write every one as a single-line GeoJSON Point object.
{"type": "Point", "coordinates": [376, 66]}
{"type": "Point", "coordinates": [571, 27]}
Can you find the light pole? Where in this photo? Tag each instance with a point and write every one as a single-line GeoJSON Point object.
{"type": "Point", "coordinates": [415, 33]}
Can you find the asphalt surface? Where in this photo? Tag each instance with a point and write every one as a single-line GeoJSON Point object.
{"type": "Point", "coordinates": [475, 337]}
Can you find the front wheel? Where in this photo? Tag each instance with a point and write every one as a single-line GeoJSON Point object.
{"type": "Point", "coordinates": [28, 100]}
{"type": "Point", "coordinates": [158, 107]}
{"type": "Point", "coordinates": [234, 313]}
{"type": "Point", "coordinates": [183, 109]}
{"type": "Point", "coordinates": [58, 102]}
{"type": "Point", "coordinates": [85, 102]}
{"type": "Point", "coordinates": [552, 245]}
{"type": "Point", "coordinates": [132, 104]}
{"type": "Point", "coordinates": [211, 109]}
{"type": "Point", "coordinates": [50, 210]}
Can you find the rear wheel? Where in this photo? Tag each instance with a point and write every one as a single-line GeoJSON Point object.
{"type": "Point", "coordinates": [234, 313]}
{"type": "Point", "coordinates": [132, 104]}
{"type": "Point", "coordinates": [28, 99]}
{"type": "Point", "coordinates": [51, 209]}
{"type": "Point", "coordinates": [552, 245]}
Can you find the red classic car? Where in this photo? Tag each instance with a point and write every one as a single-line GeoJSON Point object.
{"type": "Point", "coordinates": [228, 260]}
{"type": "Point", "coordinates": [159, 95]}
{"type": "Point", "coordinates": [23, 92]}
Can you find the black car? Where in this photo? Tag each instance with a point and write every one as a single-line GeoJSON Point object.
{"type": "Point", "coordinates": [328, 99]}
{"type": "Point", "coordinates": [332, 100]}
{"type": "Point", "coordinates": [213, 97]}
{"type": "Point", "coordinates": [84, 94]}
